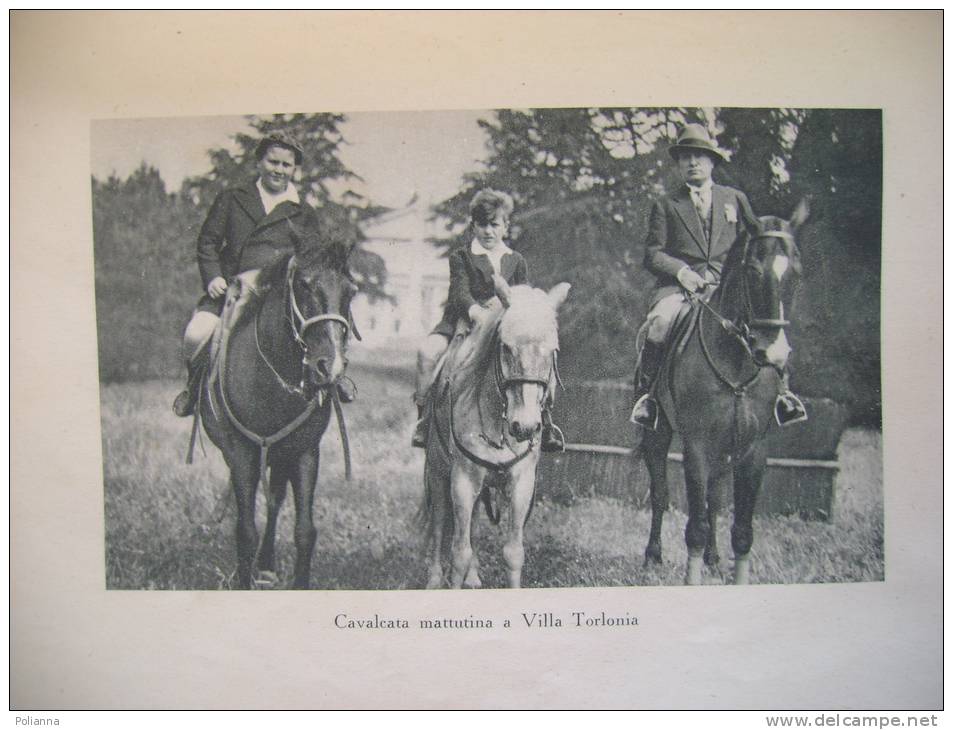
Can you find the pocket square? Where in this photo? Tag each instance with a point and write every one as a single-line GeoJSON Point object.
{"type": "Point", "coordinates": [731, 214]}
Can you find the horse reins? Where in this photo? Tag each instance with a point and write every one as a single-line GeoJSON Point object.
{"type": "Point", "coordinates": [741, 333]}
{"type": "Point", "coordinates": [502, 382]}
{"type": "Point", "coordinates": [299, 324]}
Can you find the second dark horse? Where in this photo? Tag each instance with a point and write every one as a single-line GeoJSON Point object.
{"type": "Point", "coordinates": [722, 388]}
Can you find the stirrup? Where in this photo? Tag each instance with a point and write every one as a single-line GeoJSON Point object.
{"type": "Point", "coordinates": [347, 389]}
{"type": "Point", "coordinates": [556, 442]}
{"type": "Point", "coordinates": [788, 409]}
{"type": "Point", "coordinates": [645, 412]}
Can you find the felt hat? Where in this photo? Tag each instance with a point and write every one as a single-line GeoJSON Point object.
{"type": "Point", "coordinates": [696, 137]}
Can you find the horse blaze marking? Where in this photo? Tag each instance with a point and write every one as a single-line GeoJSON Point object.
{"type": "Point", "coordinates": [779, 350]}
{"type": "Point", "coordinates": [780, 266]}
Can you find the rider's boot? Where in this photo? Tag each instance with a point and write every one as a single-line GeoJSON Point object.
{"type": "Point", "coordinates": [422, 429]}
{"type": "Point", "coordinates": [184, 404]}
{"type": "Point", "coordinates": [646, 410]}
{"type": "Point", "coordinates": [552, 438]}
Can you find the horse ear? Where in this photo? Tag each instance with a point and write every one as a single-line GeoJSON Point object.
{"type": "Point", "coordinates": [800, 214]}
{"type": "Point", "coordinates": [502, 290]}
{"type": "Point", "coordinates": [557, 295]}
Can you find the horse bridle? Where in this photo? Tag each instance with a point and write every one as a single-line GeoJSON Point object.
{"type": "Point", "coordinates": [755, 321]}
{"type": "Point", "coordinates": [504, 381]}
{"type": "Point", "coordinates": [300, 323]}
{"type": "Point", "coordinates": [742, 329]}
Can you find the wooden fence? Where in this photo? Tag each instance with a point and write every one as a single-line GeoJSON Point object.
{"type": "Point", "coordinates": [802, 463]}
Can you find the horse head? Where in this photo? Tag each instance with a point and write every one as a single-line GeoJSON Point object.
{"type": "Point", "coordinates": [771, 269]}
{"type": "Point", "coordinates": [320, 289]}
{"type": "Point", "coordinates": [526, 363]}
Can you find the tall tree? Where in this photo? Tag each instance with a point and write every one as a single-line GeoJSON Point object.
{"type": "Point", "coordinates": [323, 179]}
{"type": "Point", "coordinates": [584, 181]}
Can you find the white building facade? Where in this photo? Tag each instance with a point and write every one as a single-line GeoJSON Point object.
{"type": "Point", "coordinates": [417, 280]}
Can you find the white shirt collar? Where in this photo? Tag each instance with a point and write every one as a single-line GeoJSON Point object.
{"type": "Point", "coordinates": [271, 200]}
{"type": "Point", "coordinates": [495, 256]}
{"type": "Point", "coordinates": [704, 189]}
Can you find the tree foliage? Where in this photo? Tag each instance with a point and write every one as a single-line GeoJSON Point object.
{"type": "Point", "coordinates": [322, 179]}
{"type": "Point", "coordinates": [144, 237]}
{"type": "Point", "coordinates": [584, 180]}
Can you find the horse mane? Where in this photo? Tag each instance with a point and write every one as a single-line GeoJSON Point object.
{"type": "Point", "coordinates": [739, 251]}
{"type": "Point", "coordinates": [274, 273]}
{"type": "Point", "coordinates": [319, 243]}
{"type": "Point", "coordinates": [530, 317]}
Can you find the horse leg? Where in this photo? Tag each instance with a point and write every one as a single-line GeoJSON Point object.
{"type": "Point", "coordinates": [466, 480]}
{"type": "Point", "coordinates": [522, 485]}
{"type": "Point", "coordinates": [437, 485]}
{"type": "Point", "coordinates": [748, 474]}
{"type": "Point", "coordinates": [655, 452]}
{"type": "Point", "coordinates": [472, 578]}
{"type": "Point", "coordinates": [696, 530]}
{"type": "Point", "coordinates": [712, 558]}
{"type": "Point", "coordinates": [244, 478]}
{"type": "Point", "coordinates": [266, 555]}
{"type": "Point", "coordinates": [304, 477]}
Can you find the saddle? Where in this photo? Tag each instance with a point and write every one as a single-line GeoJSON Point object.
{"type": "Point", "coordinates": [675, 342]}
{"type": "Point", "coordinates": [243, 289]}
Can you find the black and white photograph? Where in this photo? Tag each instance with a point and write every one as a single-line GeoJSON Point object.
{"type": "Point", "coordinates": [489, 360]}
{"type": "Point", "coordinates": [465, 341]}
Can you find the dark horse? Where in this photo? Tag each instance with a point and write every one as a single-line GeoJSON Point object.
{"type": "Point", "coordinates": [721, 388]}
{"type": "Point", "coordinates": [268, 400]}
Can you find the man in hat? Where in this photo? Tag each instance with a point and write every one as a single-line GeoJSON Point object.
{"type": "Point", "coordinates": [247, 227]}
{"type": "Point", "coordinates": [690, 234]}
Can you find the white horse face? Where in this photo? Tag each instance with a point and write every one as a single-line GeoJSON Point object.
{"type": "Point", "coordinates": [527, 356]}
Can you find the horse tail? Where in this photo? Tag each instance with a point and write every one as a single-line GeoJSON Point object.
{"type": "Point", "coordinates": [422, 521]}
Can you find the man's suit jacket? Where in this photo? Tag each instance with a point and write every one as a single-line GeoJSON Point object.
{"type": "Point", "coordinates": [676, 237]}
{"type": "Point", "coordinates": [471, 282]}
{"type": "Point", "coordinates": [237, 235]}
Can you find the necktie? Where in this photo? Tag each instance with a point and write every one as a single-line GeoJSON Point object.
{"type": "Point", "coordinates": [702, 203]}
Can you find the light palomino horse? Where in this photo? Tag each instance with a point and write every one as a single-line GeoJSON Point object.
{"type": "Point", "coordinates": [484, 435]}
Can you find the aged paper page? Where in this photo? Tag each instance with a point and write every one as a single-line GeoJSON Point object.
{"type": "Point", "coordinates": [76, 645]}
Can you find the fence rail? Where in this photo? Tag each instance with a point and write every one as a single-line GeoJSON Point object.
{"type": "Point", "coordinates": [801, 471]}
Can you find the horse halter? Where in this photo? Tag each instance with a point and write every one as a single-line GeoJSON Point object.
{"type": "Point", "coordinates": [300, 323]}
{"type": "Point", "coordinates": [504, 381]}
{"type": "Point", "coordinates": [757, 322]}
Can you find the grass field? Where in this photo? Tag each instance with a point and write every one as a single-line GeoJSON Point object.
{"type": "Point", "coordinates": [171, 526]}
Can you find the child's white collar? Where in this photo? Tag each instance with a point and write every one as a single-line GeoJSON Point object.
{"type": "Point", "coordinates": [495, 256]}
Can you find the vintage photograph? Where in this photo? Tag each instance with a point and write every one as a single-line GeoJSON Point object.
{"type": "Point", "coordinates": [538, 348]}
{"type": "Point", "coordinates": [639, 311]}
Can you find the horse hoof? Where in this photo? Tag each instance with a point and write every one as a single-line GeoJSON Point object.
{"type": "Point", "coordinates": [473, 582]}
{"type": "Point", "coordinates": [266, 579]}
{"type": "Point", "coordinates": [693, 573]}
{"type": "Point", "coordinates": [742, 571]}
{"type": "Point", "coordinates": [652, 558]}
